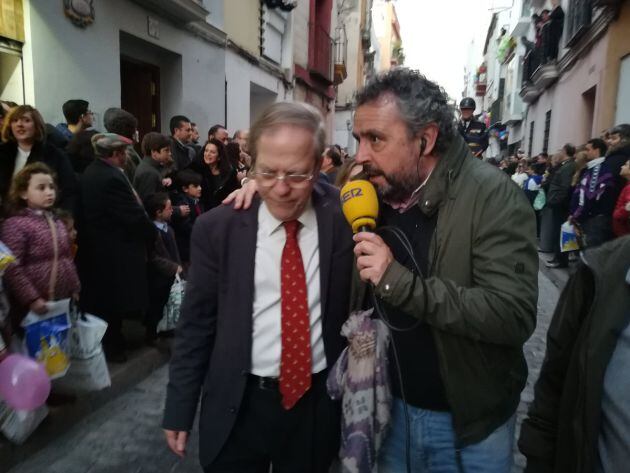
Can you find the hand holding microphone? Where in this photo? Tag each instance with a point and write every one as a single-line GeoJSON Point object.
{"type": "Point", "coordinates": [360, 207]}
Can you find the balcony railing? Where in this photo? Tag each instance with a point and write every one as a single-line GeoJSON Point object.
{"type": "Point", "coordinates": [340, 58]}
{"type": "Point", "coordinates": [321, 53]}
{"type": "Point", "coordinates": [539, 65]}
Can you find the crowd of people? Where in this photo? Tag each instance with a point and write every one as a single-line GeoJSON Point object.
{"type": "Point", "coordinates": [445, 287]}
{"type": "Point", "coordinates": [125, 235]}
{"type": "Point", "coordinates": [587, 186]}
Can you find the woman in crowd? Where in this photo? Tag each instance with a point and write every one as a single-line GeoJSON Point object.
{"type": "Point", "coordinates": [349, 169]}
{"type": "Point", "coordinates": [235, 158]}
{"type": "Point", "coordinates": [24, 142]}
{"type": "Point", "coordinates": [218, 177]}
{"type": "Point", "coordinates": [44, 269]}
{"type": "Point", "coordinates": [520, 175]}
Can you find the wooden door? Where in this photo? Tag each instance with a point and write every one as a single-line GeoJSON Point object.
{"type": "Point", "coordinates": [140, 93]}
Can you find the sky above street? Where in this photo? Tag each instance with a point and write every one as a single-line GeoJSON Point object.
{"type": "Point", "coordinates": [436, 35]}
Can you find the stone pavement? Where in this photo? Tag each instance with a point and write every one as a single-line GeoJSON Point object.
{"type": "Point", "coordinates": [124, 435]}
{"type": "Point", "coordinates": [534, 349]}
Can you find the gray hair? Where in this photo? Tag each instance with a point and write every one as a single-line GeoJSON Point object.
{"type": "Point", "coordinates": [420, 102]}
{"type": "Point", "coordinates": [300, 114]}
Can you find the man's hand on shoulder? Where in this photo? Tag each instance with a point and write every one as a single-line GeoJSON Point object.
{"type": "Point", "coordinates": [242, 198]}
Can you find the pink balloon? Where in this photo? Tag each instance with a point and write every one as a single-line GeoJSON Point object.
{"type": "Point", "coordinates": [24, 383]}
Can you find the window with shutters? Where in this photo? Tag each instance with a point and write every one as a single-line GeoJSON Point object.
{"type": "Point", "coordinates": [578, 19]}
{"type": "Point", "coordinates": [547, 128]}
{"type": "Point", "coordinates": [273, 24]}
{"type": "Point", "coordinates": [531, 139]}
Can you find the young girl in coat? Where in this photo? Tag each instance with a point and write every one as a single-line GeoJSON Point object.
{"type": "Point", "coordinates": [44, 269]}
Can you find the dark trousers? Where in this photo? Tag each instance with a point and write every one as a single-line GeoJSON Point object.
{"type": "Point", "coordinates": [113, 339]}
{"type": "Point", "coordinates": [159, 290]}
{"type": "Point", "coordinates": [559, 216]}
{"type": "Point", "coordinates": [597, 230]}
{"type": "Point", "coordinates": [266, 437]}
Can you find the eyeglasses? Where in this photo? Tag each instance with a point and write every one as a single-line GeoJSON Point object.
{"type": "Point", "coordinates": [297, 181]}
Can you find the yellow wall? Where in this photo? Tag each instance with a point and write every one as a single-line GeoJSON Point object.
{"type": "Point", "coordinates": [618, 48]}
{"type": "Point", "coordinates": [242, 24]}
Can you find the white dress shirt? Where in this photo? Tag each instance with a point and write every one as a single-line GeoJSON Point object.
{"type": "Point", "coordinates": [267, 328]}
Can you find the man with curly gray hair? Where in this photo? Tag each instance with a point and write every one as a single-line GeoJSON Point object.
{"type": "Point", "coordinates": [461, 298]}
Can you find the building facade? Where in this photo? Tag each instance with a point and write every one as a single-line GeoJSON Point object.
{"type": "Point", "coordinates": [154, 59]}
{"type": "Point", "coordinates": [356, 16]}
{"type": "Point", "coordinates": [258, 61]}
{"type": "Point", "coordinates": [585, 91]}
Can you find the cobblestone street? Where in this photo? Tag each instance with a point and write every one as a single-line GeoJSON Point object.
{"type": "Point", "coordinates": [124, 435]}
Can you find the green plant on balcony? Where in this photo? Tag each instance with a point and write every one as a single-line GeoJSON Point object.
{"type": "Point", "coordinates": [398, 53]}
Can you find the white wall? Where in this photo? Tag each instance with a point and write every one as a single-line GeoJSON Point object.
{"type": "Point", "coordinates": [85, 63]}
{"type": "Point", "coordinates": [240, 73]}
{"type": "Point", "coordinates": [11, 78]}
{"type": "Point", "coordinates": [351, 20]}
{"type": "Point", "coordinates": [301, 15]}
{"type": "Point", "coordinates": [341, 135]}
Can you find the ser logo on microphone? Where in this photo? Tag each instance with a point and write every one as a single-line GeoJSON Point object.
{"type": "Point", "coordinates": [356, 192]}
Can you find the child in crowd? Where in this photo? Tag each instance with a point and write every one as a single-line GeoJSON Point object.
{"type": "Point", "coordinates": [44, 269]}
{"type": "Point", "coordinates": [189, 183]}
{"type": "Point", "coordinates": [621, 215]}
{"type": "Point", "coordinates": [164, 263]}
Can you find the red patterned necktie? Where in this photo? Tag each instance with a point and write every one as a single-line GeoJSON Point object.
{"type": "Point", "coordinates": [295, 362]}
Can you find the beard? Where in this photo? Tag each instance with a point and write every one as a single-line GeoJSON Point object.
{"type": "Point", "coordinates": [398, 187]}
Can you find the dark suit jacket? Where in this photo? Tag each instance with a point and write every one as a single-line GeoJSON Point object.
{"type": "Point", "coordinates": [80, 150]}
{"type": "Point", "coordinates": [183, 225]}
{"type": "Point", "coordinates": [114, 236]}
{"type": "Point", "coordinates": [212, 350]}
{"type": "Point", "coordinates": [48, 154]}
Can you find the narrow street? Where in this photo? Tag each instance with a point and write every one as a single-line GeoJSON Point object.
{"type": "Point", "coordinates": [124, 435]}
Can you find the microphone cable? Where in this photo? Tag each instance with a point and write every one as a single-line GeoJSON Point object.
{"type": "Point", "coordinates": [382, 314]}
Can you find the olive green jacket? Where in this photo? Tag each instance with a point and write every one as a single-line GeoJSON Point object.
{"type": "Point", "coordinates": [479, 296]}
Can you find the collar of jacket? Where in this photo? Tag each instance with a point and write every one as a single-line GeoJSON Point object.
{"type": "Point", "coordinates": [608, 259]}
{"type": "Point", "coordinates": [149, 160]}
{"type": "Point", "coordinates": [446, 171]}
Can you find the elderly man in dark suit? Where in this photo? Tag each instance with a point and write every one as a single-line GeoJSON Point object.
{"type": "Point", "coordinates": [114, 234]}
{"type": "Point", "coordinates": [260, 327]}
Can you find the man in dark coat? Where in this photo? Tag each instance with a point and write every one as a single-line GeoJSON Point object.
{"type": "Point", "coordinates": [558, 200]}
{"type": "Point", "coordinates": [257, 348]}
{"type": "Point", "coordinates": [580, 417]}
{"type": "Point", "coordinates": [181, 134]}
{"type": "Point", "coordinates": [114, 232]}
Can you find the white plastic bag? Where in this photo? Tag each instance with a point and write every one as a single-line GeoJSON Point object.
{"type": "Point", "coordinates": [17, 426]}
{"type": "Point", "coordinates": [47, 337]}
{"type": "Point", "coordinates": [85, 336]}
{"type": "Point", "coordinates": [568, 238]}
{"type": "Point", "coordinates": [173, 306]}
{"type": "Point", "coordinates": [84, 376]}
